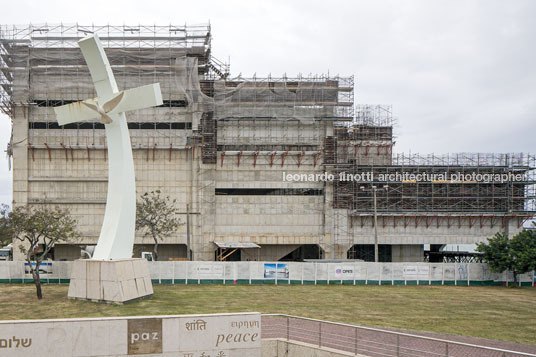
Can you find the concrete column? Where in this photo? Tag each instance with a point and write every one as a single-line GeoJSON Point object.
{"type": "Point", "coordinates": [20, 143]}
{"type": "Point", "coordinates": [20, 136]}
{"type": "Point", "coordinates": [204, 236]}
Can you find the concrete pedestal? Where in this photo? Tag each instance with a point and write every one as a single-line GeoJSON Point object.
{"type": "Point", "coordinates": [112, 281]}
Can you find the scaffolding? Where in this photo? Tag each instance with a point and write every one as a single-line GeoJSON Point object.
{"type": "Point", "coordinates": [453, 188]}
{"type": "Point", "coordinates": [284, 98]}
{"type": "Point", "coordinates": [421, 184]}
{"type": "Point", "coordinates": [207, 115]}
{"type": "Point", "coordinates": [42, 68]}
{"type": "Point", "coordinates": [6, 80]}
{"type": "Point", "coordinates": [374, 115]}
{"type": "Point", "coordinates": [306, 121]}
{"type": "Point", "coordinates": [430, 191]}
{"type": "Point", "coordinates": [368, 138]}
{"type": "Point", "coordinates": [472, 183]}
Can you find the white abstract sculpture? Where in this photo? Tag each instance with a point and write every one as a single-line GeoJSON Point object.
{"type": "Point", "coordinates": [116, 239]}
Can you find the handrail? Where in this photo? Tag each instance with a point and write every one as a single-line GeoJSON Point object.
{"type": "Point", "coordinates": [503, 351]}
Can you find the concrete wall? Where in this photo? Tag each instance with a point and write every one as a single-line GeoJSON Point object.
{"type": "Point", "coordinates": [407, 253]}
{"type": "Point", "coordinates": [165, 251]}
{"type": "Point", "coordinates": [405, 232]}
{"type": "Point", "coordinates": [154, 335]}
{"type": "Point", "coordinates": [276, 251]}
{"type": "Point", "coordinates": [66, 252]}
{"type": "Point", "coordinates": [272, 132]}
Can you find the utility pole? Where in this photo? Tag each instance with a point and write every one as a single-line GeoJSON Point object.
{"type": "Point", "coordinates": [374, 189]}
{"type": "Point", "coordinates": [376, 250]}
{"type": "Point", "coordinates": [188, 231]}
{"type": "Point", "coordinates": [509, 200]}
{"type": "Point", "coordinates": [188, 253]}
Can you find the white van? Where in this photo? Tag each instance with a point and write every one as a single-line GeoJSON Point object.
{"type": "Point", "coordinates": [147, 255]}
{"type": "Point", "coordinates": [6, 253]}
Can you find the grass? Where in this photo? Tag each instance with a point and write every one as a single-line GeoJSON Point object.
{"type": "Point", "coordinates": [489, 312]}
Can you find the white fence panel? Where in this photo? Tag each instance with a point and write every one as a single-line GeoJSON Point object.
{"type": "Point", "coordinates": [322, 271]}
{"type": "Point", "coordinates": [293, 272]}
{"type": "Point", "coordinates": [4, 270]}
{"type": "Point", "coordinates": [257, 270]}
{"type": "Point", "coordinates": [386, 272]}
{"type": "Point", "coordinates": [16, 270]}
{"type": "Point", "coordinates": [309, 272]}
{"type": "Point", "coordinates": [449, 271]}
{"type": "Point", "coordinates": [436, 272]}
{"type": "Point", "coordinates": [462, 271]}
{"type": "Point", "coordinates": [228, 269]}
{"type": "Point", "coordinates": [180, 270]}
{"type": "Point", "coordinates": [398, 271]}
{"type": "Point", "coordinates": [373, 271]}
{"type": "Point", "coordinates": [61, 270]}
{"type": "Point", "coordinates": [154, 271]}
{"type": "Point", "coordinates": [243, 271]}
{"type": "Point", "coordinates": [475, 271]}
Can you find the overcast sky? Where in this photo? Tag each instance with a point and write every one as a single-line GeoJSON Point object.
{"type": "Point", "coordinates": [460, 75]}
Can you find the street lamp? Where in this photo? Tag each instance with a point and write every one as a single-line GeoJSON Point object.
{"type": "Point", "coordinates": [374, 189]}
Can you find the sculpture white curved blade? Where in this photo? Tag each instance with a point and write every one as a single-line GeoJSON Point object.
{"type": "Point", "coordinates": [112, 103]}
{"type": "Point", "coordinates": [99, 67]}
{"type": "Point", "coordinates": [116, 239]}
{"type": "Point", "coordinates": [106, 119]}
{"type": "Point", "coordinates": [75, 112]}
{"type": "Point", "coordinates": [138, 98]}
{"type": "Point", "coordinates": [91, 106]}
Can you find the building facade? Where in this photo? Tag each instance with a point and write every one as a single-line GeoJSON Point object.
{"type": "Point", "coordinates": [261, 165]}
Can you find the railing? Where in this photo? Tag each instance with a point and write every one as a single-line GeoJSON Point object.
{"type": "Point", "coordinates": [467, 159]}
{"type": "Point", "coordinates": [371, 341]}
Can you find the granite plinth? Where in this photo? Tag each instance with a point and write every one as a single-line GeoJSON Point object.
{"type": "Point", "coordinates": [111, 281]}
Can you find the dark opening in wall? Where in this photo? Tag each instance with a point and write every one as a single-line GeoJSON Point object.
{"type": "Point", "coordinates": [270, 191]}
{"type": "Point", "coordinates": [305, 251]}
{"type": "Point", "coordinates": [96, 125]}
{"type": "Point", "coordinates": [59, 102]}
{"type": "Point", "coordinates": [366, 252]}
{"type": "Point", "coordinates": [235, 256]}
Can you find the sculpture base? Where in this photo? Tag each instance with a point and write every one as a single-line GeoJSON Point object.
{"type": "Point", "coordinates": [110, 281]}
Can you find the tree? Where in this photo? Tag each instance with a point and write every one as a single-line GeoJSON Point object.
{"type": "Point", "coordinates": [40, 226]}
{"type": "Point", "coordinates": [5, 229]}
{"type": "Point", "coordinates": [524, 246]}
{"type": "Point", "coordinates": [517, 255]}
{"type": "Point", "coordinates": [155, 216]}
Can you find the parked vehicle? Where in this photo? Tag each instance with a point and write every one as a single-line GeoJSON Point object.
{"type": "Point", "coordinates": [147, 255]}
{"type": "Point", "coordinates": [6, 253]}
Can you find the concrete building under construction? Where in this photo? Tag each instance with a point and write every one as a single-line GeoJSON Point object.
{"type": "Point", "coordinates": [230, 148]}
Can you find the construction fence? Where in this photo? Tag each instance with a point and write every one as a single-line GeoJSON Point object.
{"type": "Point", "coordinates": [296, 273]}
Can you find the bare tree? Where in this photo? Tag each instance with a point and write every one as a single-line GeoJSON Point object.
{"type": "Point", "coordinates": [155, 217]}
{"type": "Point", "coordinates": [41, 226]}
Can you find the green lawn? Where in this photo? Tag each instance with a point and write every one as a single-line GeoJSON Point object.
{"type": "Point", "coordinates": [489, 312]}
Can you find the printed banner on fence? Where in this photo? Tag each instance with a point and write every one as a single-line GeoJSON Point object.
{"type": "Point", "coordinates": [415, 272]}
{"type": "Point", "coordinates": [344, 272]}
{"type": "Point", "coordinates": [210, 269]}
{"type": "Point", "coordinates": [276, 271]}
